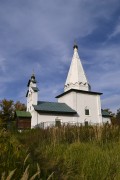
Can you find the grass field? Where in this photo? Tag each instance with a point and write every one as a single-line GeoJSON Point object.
{"type": "Point", "coordinates": [65, 153]}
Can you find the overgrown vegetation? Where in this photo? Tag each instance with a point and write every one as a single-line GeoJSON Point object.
{"type": "Point", "coordinates": [7, 112]}
{"type": "Point", "coordinates": [64, 153]}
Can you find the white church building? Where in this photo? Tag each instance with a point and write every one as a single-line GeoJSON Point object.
{"type": "Point", "coordinates": [76, 105]}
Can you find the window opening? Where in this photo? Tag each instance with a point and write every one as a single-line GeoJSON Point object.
{"type": "Point", "coordinates": [87, 112]}
{"type": "Point", "coordinates": [57, 123]}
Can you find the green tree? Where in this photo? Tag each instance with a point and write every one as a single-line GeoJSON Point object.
{"type": "Point", "coordinates": [19, 106]}
{"type": "Point", "coordinates": [118, 116]}
{"type": "Point", "coordinates": [109, 111]}
{"type": "Point", "coordinates": [7, 110]}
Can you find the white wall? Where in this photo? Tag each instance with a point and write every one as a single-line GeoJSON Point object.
{"type": "Point", "coordinates": [69, 99]}
{"type": "Point", "coordinates": [106, 120]}
{"type": "Point", "coordinates": [49, 119]}
{"type": "Point", "coordinates": [32, 99]}
{"type": "Point", "coordinates": [80, 101]}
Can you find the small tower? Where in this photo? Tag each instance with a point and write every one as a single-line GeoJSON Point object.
{"type": "Point", "coordinates": [32, 93]}
{"type": "Point", "coordinates": [76, 78]}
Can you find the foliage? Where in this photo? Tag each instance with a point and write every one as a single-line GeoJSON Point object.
{"type": "Point", "coordinates": [118, 116]}
{"type": "Point", "coordinates": [115, 117]}
{"type": "Point", "coordinates": [68, 152]}
{"type": "Point", "coordinates": [7, 111]}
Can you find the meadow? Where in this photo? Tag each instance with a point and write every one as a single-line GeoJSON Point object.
{"type": "Point", "coordinates": [64, 153]}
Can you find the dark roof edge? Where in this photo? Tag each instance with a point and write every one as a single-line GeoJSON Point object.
{"type": "Point", "coordinates": [35, 89]}
{"type": "Point", "coordinates": [27, 93]}
{"type": "Point", "coordinates": [56, 112]}
{"type": "Point", "coordinates": [79, 91]}
{"type": "Point", "coordinates": [106, 116]}
{"type": "Point", "coordinates": [28, 83]}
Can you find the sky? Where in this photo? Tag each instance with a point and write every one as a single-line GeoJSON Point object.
{"type": "Point", "coordinates": [38, 35]}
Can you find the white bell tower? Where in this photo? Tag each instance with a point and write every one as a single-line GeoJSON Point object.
{"type": "Point", "coordinates": [32, 93]}
{"type": "Point", "coordinates": [76, 78]}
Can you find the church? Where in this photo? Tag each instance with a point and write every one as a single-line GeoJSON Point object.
{"type": "Point", "coordinates": [77, 105]}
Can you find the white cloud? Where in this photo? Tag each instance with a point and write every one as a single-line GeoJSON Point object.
{"type": "Point", "coordinates": [50, 27]}
{"type": "Point", "coordinates": [112, 102]}
{"type": "Point", "coordinates": [37, 24]}
{"type": "Point", "coordinates": [115, 32]}
{"type": "Point", "coordinates": [107, 62]}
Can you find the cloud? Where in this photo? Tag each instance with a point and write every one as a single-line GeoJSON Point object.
{"type": "Point", "coordinates": [2, 64]}
{"type": "Point", "coordinates": [115, 32]}
{"type": "Point", "coordinates": [37, 24]}
{"type": "Point", "coordinates": [112, 102]}
{"type": "Point", "coordinates": [39, 35]}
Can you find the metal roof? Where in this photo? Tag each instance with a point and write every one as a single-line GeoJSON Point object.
{"type": "Point", "coordinates": [23, 114]}
{"type": "Point", "coordinates": [105, 113]}
{"type": "Point", "coordinates": [53, 107]}
{"type": "Point", "coordinates": [35, 89]}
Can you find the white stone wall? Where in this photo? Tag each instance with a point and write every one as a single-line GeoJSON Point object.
{"type": "Point", "coordinates": [80, 102]}
{"type": "Point", "coordinates": [69, 99]}
{"type": "Point", "coordinates": [49, 119]}
{"type": "Point", "coordinates": [106, 120]}
{"type": "Point", "coordinates": [32, 99]}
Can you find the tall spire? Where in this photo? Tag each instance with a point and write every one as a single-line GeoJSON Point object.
{"type": "Point", "coordinates": [76, 78]}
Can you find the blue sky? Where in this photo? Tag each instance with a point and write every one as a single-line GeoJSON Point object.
{"type": "Point", "coordinates": [40, 34]}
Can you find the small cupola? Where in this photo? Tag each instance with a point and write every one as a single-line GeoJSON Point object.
{"type": "Point", "coordinates": [33, 78]}
{"type": "Point", "coordinates": [32, 93]}
{"type": "Point", "coordinates": [75, 46]}
{"type": "Point", "coordinates": [32, 81]}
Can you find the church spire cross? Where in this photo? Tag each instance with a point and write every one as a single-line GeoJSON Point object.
{"type": "Point", "coordinates": [76, 78]}
{"type": "Point", "coordinates": [75, 45]}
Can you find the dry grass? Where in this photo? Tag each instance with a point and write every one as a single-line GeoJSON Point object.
{"type": "Point", "coordinates": [68, 152]}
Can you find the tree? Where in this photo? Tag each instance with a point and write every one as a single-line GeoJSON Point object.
{"type": "Point", "coordinates": [7, 110]}
{"type": "Point", "coordinates": [109, 111]}
{"type": "Point", "coordinates": [113, 116]}
{"type": "Point", "coordinates": [19, 106]}
{"type": "Point", "coordinates": [118, 116]}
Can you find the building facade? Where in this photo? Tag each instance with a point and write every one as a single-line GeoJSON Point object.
{"type": "Point", "coordinates": [76, 105]}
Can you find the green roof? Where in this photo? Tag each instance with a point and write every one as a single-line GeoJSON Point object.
{"type": "Point", "coordinates": [105, 113]}
{"type": "Point", "coordinates": [35, 89]}
{"type": "Point", "coordinates": [23, 114]}
{"type": "Point", "coordinates": [53, 107]}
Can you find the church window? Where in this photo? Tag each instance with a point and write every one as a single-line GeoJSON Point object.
{"type": "Point", "coordinates": [87, 112]}
{"type": "Point", "coordinates": [57, 123]}
{"type": "Point", "coordinates": [86, 123]}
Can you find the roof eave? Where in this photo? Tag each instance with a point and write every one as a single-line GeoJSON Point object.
{"type": "Point", "coordinates": [56, 112]}
{"type": "Point", "coordinates": [106, 116]}
{"type": "Point", "coordinates": [79, 91]}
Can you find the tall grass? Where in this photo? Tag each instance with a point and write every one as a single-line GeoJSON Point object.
{"type": "Point", "coordinates": [68, 152]}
